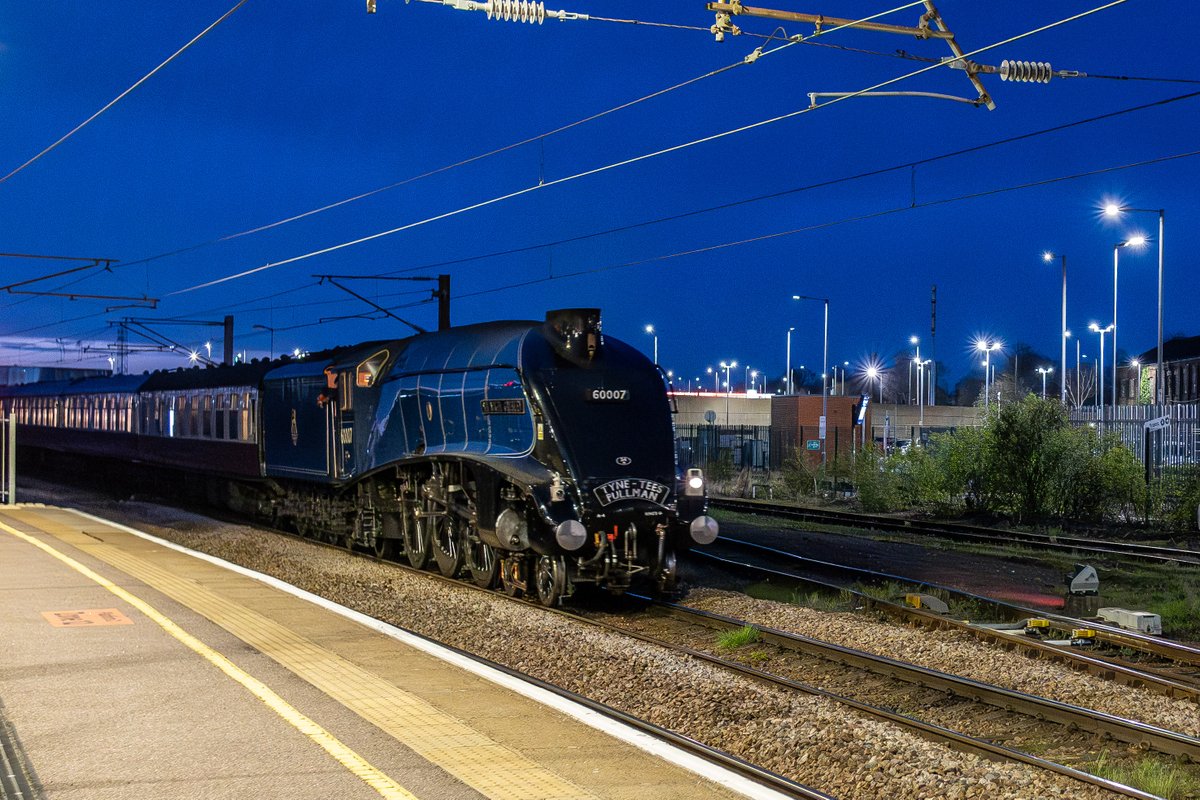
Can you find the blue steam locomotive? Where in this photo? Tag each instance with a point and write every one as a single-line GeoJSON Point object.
{"type": "Point", "coordinates": [534, 456]}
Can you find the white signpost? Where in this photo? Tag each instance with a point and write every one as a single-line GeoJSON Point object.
{"type": "Point", "coordinates": [1157, 424]}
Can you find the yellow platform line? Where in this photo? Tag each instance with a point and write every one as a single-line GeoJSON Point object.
{"type": "Point", "coordinates": [492, 769]}
{"type": "Point", "coordinates": [359, 766]}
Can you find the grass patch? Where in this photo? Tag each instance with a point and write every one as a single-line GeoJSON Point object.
{"type": "Point", "coordinates": [1149, 774]}
{"type": "Point", "coordinates": [732, 640]}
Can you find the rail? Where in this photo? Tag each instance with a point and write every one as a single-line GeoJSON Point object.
{"type": "Point", "coordinates": [1092, 664]}
{"type": "Point", "coordinates": [961, 531]}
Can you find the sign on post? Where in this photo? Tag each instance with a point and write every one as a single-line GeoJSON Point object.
{"type": "Point", "coordinates": [1157, 424]}
{"type": "Point", "coordinates": [821, 432]}
{"type": "Point", "coordinates": [814, 444]}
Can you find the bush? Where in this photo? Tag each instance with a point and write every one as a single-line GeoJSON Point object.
{"type": "Point", "coordinates": [878, 486]}
{"type": "Point", "coordinates": [1029, 462]}
{"type": "Point", "coordinates": [800, 475]}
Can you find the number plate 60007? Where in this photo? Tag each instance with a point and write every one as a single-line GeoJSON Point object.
{"type": "Point", "coordinates": [607, 395]}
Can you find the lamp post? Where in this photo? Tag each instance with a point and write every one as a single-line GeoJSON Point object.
{"type": "Point", "coordinates": [915, 342]}
{"type": "Point", "coordinates": [728, 388]}
{"type": "Point", "coordinates": [1079, 400]}
{"type": "Point", "coordinates": [824, 366]}
{"type": "Point", "coordinates": [716, 381]}
{"type": "Point", "coordinates": [1045, 371]}
{"type": "Point", "coordinates": [1137, 391]}
{"type": "Point", "coordinates": [1048, 257]}
{"type": "Point", "coordinates": [986, 346]}
{"type": "Point", "coordinates": [921, 365]}
{"type": "Point", "coordinates": [874, 374]}
{"type": "Point", "coordinates": [789, 360]}
{"type": "Point", "coordinates": [1112, 210]}
{"type": "Point", "coordinates": [1094, 328]}
{"type": "Point", "coordinates": [271, 352]}
{"type": "Point", "coordinates": [1135, 241]}
{"type": "Point", "coordinates": [650, 330]}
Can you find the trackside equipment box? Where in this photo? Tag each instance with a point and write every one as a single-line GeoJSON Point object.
{"type": "Point", "coordinates": [1140, 621]}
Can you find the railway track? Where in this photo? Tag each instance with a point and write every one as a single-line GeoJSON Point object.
{"type": "Point", "coordinates": [879, 685]}
{"type": "Point", "coordinates": [1163, 649]}
{"type": "Point", "coordinates": [1174, 673]}
{"type": "Point", "coordinates": [960, 532]}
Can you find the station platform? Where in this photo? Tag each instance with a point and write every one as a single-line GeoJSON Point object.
{"type": "Point", "coordinates": [133, 668]}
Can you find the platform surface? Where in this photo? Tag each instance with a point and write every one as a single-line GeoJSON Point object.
{"type": "Point", "coordinates": [130, 669]}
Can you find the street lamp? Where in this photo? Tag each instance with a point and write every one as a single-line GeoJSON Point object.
{"type": "Point", "coordinates": [1112, 210]}
{"type": "Point", "coordinates": [986, 346]}
{"type": "Point", "coordinates": [1137, 392]}
{"type": "Point", "coordinates": [716, 381]}
{"type": "Point", "coordinates": [915, 341]}
{"type": "Point", "coordinates": [1045, 371]}
{"type": "Point", "coordinates": [1048, 257]}
{"type": "Point", "coordinates": [824, 368]}
{"type": "Point", "coordinates": [1133, 241]}
{"type": "Point", "coordinates": [650, 330]}
{"type": "Point", "coordinates": [1094, 328]}
{"type": "Point", "coordinates": [921, 365]}
{"type": "Point", "coordinates": [728, 389]}
{"type": "Point", "coordinates": [874, 374]}
{"type": "Point", "coordinates": [789, 360]}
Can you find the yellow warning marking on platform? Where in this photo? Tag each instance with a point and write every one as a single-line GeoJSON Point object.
{"type": "Point", "coordinates": [86, 618]}
{"type": "Point", "coordinates": [492, 769]}
{"type": "Point", "coordinates": [358, 765]}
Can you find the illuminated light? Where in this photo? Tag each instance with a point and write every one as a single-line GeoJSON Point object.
{"type": "Point", "coordinates": [1111, 209]}
{"type": "Point", "coordinates": [1136, 241]}
{"type": "Point", "coordinates": [696, 482]}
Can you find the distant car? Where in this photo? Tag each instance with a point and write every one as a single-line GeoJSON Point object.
{"type": "Point", "coordinates": [902, 445]}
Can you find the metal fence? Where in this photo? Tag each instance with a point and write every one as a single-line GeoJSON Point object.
{"type": "Point", "coordinates": [760, 448]}
{"type": "Point", "coordinates": [8, 461]}
{"type": "Point", "coordinates": [1165, 438]}
{"type": "Point", "coordinates": [1173, 450]}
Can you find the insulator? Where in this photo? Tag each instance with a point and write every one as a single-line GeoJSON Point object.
{"type": "Point", "coordinates": [1026, 71]}
{"type": "Point", "coordinates": [517, 11]}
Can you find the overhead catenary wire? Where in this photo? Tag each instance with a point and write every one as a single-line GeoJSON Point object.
{"type": "Point", "coordinates": [123, 94]}
{"type": "Point", "coordinates": [749, 59]}
{"type": "Point", "coordinates": [634, 159]}
{"type": "Point", "coordinates": [683, 215]}
{"type": "Point", "coordinates": [805, 187]}
{"type": "Point", "coordinates": [833, 223]}
{"type": "Point", "coordinates": [780, 234]}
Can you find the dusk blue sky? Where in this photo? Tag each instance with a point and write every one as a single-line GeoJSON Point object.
{"type": "Point", "coordinates": [283, 109]}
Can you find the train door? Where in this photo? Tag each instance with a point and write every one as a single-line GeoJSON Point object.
{"type": "Point", "coordinates": [339, 418]}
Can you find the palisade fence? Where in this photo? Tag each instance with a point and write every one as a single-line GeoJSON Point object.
{"type": "Point", "coordinates": [1174, 451]}
{"type": "Point", "coordinates": [1170, 451]}
{"type": "Point", "coordinates": [759, 448]}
